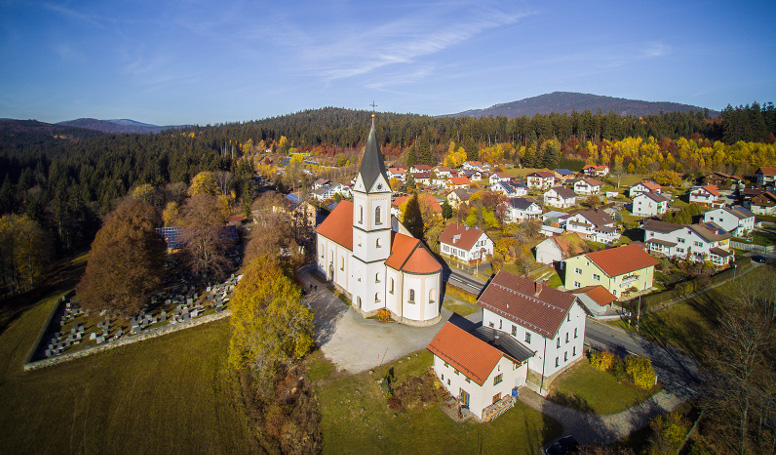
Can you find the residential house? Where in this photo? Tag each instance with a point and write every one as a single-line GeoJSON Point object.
{"type": "Point", "coordinates": [457, 197]}
{"type": "Point", "coordinates": [692, 242]}
{"type": "Point", "coordinates": [424, 199]}
{"type": "Point", "coordinates": [321, 182]}
{"type": "Point", "coordinates": [475, 166]}
{"type": "Point", "coordinates": [644, 186]}
{"type": "Point", "coordinates": [424, 178]}
{"type": "Point", "coordinates": [593, 224]}
{"type": "Point", "coordinates": [443, 172]}
{"type": "Point", "coordinates": [707, 196]}
{"type": "Point", "coordinates": [765, 175]}
{"type": "Point", "coordinates": [478, 373]}
{"type": "Point", "coordinates": [458, 182]}
{"type": "Point", "coordinates": [587, 186]}
{"type": "Point", "coordinates": [562, 175]}
{"type": "Point", "coordinates": [541, 179]}
{"type": "Point", "coordinates": [649, 204]}
{"type": "Point", "coordinates": [737, 220]}
{"type": "Point", "coordinates": [596, 299]}
{"type": "Point", "coordinates": [508, 189]}
{"type": "Point", "coordinates": [621, 271]}
{"type": "Point", "coordinates": [560, 247]}
{"type": "Point", "coordinates": [397, 173]}
{"type": "Point", "coordinates": [328, 191]}
{"type": "Point", "coordinates": [546, 321]}
{"type": "Point", "coordinates": [519, 209]}
{"type": "Point", "coordinates": [471, 174]}
{"type": "Point", "coordinates": [762, 204]}
{"type": "Point", "coordinates": [595, 171]}
{"type": "Point", "coordinates": [465, 243]}
{"type": "Point", "coordinates": [302, 212]}
{"type": "Point", "coordinates": [499, 177]}
{"type": "Point", "coordinates": [560, 197]}
{"type": "Point", "coordinates": [419, 168]}
{"type": "Point", "coordinates": [721, 180]}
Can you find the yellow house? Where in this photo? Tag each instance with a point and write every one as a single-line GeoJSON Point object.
{"type": "Point", "coordinates": [622, 271]}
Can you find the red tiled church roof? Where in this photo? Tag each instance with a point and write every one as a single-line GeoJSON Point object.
{"type": "Point", "coordinates": [338, 226]}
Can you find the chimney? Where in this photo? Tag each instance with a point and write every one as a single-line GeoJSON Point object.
{"type": "Point", "coordinates": [539, 285]}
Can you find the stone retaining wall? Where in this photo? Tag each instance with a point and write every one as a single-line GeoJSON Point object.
{"type": "Point", "coordinates": [127, 339]}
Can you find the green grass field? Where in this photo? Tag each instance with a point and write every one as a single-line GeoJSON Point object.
{"type": "Point", "coordinates": [173, 394]}
{"type": "Point", "coordinates": [457, 306]}
{"type": "Point", "coordinates": [590, 390]}
{"type": "Point", "coordinates": [356, 419]}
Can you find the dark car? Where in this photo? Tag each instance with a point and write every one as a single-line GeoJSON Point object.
{"type": "Point", "coordinates": [760, 259]}
{"type": "Point", "coordinates": [562, 445]}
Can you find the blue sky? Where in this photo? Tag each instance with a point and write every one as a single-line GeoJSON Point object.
{"type": "Point", "coordinates": [200, 62]}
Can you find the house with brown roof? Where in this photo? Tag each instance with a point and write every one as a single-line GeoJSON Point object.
{"type": "Point", "coordinates": [560, 247]}
{"type": "Point", "coordinates": [762, 204]}
{"type": "Point", "coordinates": [721, 180]}
{"type": "Point", "coordinates": [587, 186]}
{"type": "Point", "coordinates": [560, 197]}
{"type": "Point", "coordinates": [691, 242]}
{"type": "Point", "coordinates": [457, 197]}
{"type": "Point", "coordinates": [465, 243]}
{"type": "Point", "coordinates": [621, 271]}
{"type": "Point", "coordinates": [765, 175]}
{"type": "Point", "coordinates": [546, 321]}
{"type": "Point", "coordinates": [707, 196]}
{"type": "Point", "coordinates": [540, 179]}
{"type": "Point", "coordinates": [458, 183]}
{"type": "Point", "coordinates": [649, 204]}
{"type": "Point", "coordinates": [596, 299]}
{"type": "Point", "coordinates": [593, 224]}
{"type": "Point", "coordinates": [596, 171]}
{"type": "Point", "coordinates": [737, 220]}
{"type": "Point", "coordinates": [374, 262]}
{"type": "Point", "coordinates": [479, 368]}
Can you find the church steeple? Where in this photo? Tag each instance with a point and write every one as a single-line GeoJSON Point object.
{"type": "Point", "coordinates": [372, 164]}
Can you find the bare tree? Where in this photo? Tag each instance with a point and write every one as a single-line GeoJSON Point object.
{"type": "Point", "coordinates": [204, 237]}
{"type": "Point", "coordinates": [225, 182]}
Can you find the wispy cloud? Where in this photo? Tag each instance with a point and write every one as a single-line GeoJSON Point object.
{"type": "Point", "coordinates": [656, 49]}
{"type": "Point", "coordinates": [71, 13]}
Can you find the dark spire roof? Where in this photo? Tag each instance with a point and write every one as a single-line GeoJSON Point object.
{"type": "Point", "coordinates": [372, 165]}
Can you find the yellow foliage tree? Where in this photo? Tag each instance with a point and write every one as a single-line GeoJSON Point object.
{"type": "Point", "coordinates": [171, 215]}
{"type": "Point", "coordinates": [203, 183]}
{"type": "Point", "coordinates": [144, 192]}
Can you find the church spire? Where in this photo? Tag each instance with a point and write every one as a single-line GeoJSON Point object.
{"type": "Point", "coordinates": [372, 164]}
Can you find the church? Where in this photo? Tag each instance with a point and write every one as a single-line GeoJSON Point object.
{"type": "Point", "coordinates": [373, 258]}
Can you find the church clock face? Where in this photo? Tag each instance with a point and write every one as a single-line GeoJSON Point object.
{"type": "Point", "coordinates": [379, 186]}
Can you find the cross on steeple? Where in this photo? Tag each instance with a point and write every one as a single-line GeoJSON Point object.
{"type": "Point", "coordinates": [373, 106]}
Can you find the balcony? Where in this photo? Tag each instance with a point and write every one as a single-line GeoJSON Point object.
{"type": "Point", "coordinates": [627, 280]}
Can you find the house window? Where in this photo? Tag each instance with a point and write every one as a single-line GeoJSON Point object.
{"type": "Point", "coordinates": [359, 276]}
{"type": "Point", "coordinates": [469, 381]}
{"type": "Point", "coordinates": [377, 296]}
{"type": "Point", "coordinates": [498, 379]}
{"type": "Point", "coordinates": [443, 377]}
{"type": "Point", "coordinates": [574, 351]}
{"type": "Point", "coordinates": [565, 356]}
{"type": "Point", "coordinates": [597, 277]}
{"type": "Point", "coordinates": [412, 296]}
{"type": "Point", "coordinates": [457, 373]}
{"type": "Point", "coordinates": [500, 323]}
{"type": "Point", "coordinates": [527, 337]}
{"type": "Point", "coordinates": [464, 397]}
{"type": "Point", "coordinates": [614, 292]}
{"type": "Point", "coordinates": [514, 330]}
{"type": "Point", "coordinates": [378, 218]}
{"type": "Point", "coordinates": [391, 288]}
{"type": "Point", "coordinates": [567, 337]}
{"type": "Point", "coordinates": [448, 381]}
{"type": "Point", "coordinates": [342, 263]}
{"type": "Point", "coordinates": [578, 271]}
{"type": "Point", "coordinates": [490, 324]}
{"type": "Point", "coordinates": [496, 398]}
{"type": "Point", "coordinates": [577, 284]}
{"type": "Point", "coordinates": [557, 345]}
{"type": "Point", "coordinates": [447, 365]}
{"type": "Point", "coordinates": [557, 362]}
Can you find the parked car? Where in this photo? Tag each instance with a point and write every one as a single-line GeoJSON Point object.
{"type": "Point", "coordinates": [760, 259]}
{"type": "Point", "coordinates": [562, 445]}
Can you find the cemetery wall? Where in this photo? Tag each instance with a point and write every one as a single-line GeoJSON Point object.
{"type": "Point", "coordinates": [125, 340]}
{"type": "Point", "coordinates": [57, 309]}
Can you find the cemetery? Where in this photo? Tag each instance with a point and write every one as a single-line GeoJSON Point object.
{"type": "Point", "coordinates": [71, 329]}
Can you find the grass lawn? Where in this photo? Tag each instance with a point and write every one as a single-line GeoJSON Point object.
{"type": "Point", "coordinates": [599, 392]}
{"type": "Point", "coordinates": [457, 306]}
{"type": "Point", "coordinates": [356, 419]}
{"type": "Point", "coordinates": [172, 394]}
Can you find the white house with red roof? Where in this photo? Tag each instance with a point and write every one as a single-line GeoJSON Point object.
{"type": "Point", "coordinates": [644, 186]}
{"type": "Point", "coordinates": [546, 321]}
{"type": "Point", "coordinates": [765, 175]}
{"type": "Point", "coordinates": [621, 271]}
{"type": "Point", "coordinates": [593, 224]}
{"type": "Point", "coordinates": [465, 243]}
{"type": "Point", "coordinates": [596, 171]}
{"type": "Point", "coordinates": [596, 299]}
{"type": "Point", "coordinates": [479, 368]}
{"type": "Point", "coordinates": [378, 267]}
{"type": "Point", "coordinates": [455, 183]}
{"type": "Point", "coordinates": [708, 196]}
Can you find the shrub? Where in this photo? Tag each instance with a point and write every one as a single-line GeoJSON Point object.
{"type": "Point", "coordinates": [640, 370]}
{"type": "Point", "coordinates": [603, 360]}
{"type": "Point", "coordinates": [383, 315]}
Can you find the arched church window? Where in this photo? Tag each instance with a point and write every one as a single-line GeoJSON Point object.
{"type": "Point", "coordinates": [431, 296]}
{"type": "Point", "coordinates": [377, 243]}
{"type": "Point", "coordinates": [377, 296]}
{"type": "Point", "coordinates": [359, 275]}
{"type": "Point", "coordinates": [412, 296]}
{"type": "Point", "coordinates": [378, 219]}
{"type": "Point", "coordinates": [359, 241]}
{"type": "Point", "coordinates": [361, 215]}
{"type": "Point", "coordinates": [342, 263]}
{"type": "Point", "coordinates": [377, 277]}
{"type": "Point", "coordinates": [390, 289]}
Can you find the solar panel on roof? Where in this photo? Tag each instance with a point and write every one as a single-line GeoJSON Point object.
{"type": "Point", "coordinates": [173, 235]}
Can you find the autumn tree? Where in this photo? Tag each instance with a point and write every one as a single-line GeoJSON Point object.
{"type": "Point", "coordinates": [204, 237]}
{"type": "Point", "coordinates": [25, 252]}
{"type": "Point", "coordinates": [668, 178]}
{"type": "Point", "coordinates": [273, 234]}
{"type": "Point", "coordinates": [203, 183]}
{"type": "Point", "coordinates": [125, 265]}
